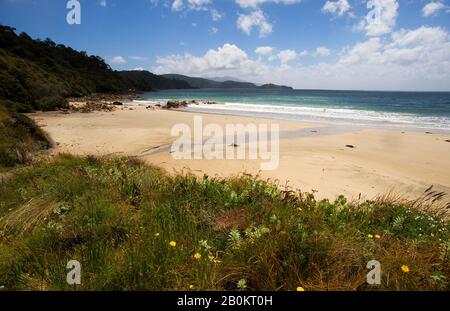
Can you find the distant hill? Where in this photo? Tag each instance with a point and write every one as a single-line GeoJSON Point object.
{"type": "Point", "coordinates": [274, 86]}
{"type": "Point", "coordinates": [147, 81]}
{"type": "Point", "coordinates": [199, 83]}
{"type": "Point", "coordinates": [202, 83]}
{"type": "Point", "coordinates": [223, 79]}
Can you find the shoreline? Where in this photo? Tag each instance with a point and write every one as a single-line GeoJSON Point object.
{"type": "Point", "coordinates": [332, 123]}
{"type": "Point", "coordinates": [335, 122]}
{"type": "Point", "coordinates": [368, 117]}
{"type": "Point", "coordinates": [329, 124]}
{"type": "Point", "coordinates": [382, 161]}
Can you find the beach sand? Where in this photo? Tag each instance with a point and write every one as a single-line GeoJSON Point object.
{"type": "Point", "coordinates": [383, 161]}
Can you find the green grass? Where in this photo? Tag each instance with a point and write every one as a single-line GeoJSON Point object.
{"type": "Point", "coordinates": [117, 217]}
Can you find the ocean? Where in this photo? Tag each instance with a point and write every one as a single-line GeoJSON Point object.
{"type": "Point", "coordinates": [420, 110]}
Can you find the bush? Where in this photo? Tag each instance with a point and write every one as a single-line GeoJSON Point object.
{"type": "Point", "coordinates": [52, 103]}
{"type": "Point", "coordinates": [20, 137]}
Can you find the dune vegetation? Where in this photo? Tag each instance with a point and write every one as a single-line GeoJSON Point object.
{"type": "Point", "coordinates": [20, 137]}
{"type": "Point", "coordinates": [134, 227]}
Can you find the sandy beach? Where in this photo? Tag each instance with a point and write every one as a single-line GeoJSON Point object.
{"type": "Point", "coordinates": [312, 158]}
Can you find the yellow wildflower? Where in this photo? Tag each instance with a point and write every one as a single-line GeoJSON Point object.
{"type": "Point", "coordinates": [370, 236]}
{"type": "Point", "coordinates": [157, 234]}
{"type": "Point", "coordinates": [191, 286]}
{"type": "Point", "coordinates": [300, 289]}
{"type": "Point", "coordinates": [173, 243]}
{"type": "Point", "coordinates": [198, 256]}
{"type": "Point", "coordinates": [405, 268]}
{"type": "Point", "coordinates": [377, 236]}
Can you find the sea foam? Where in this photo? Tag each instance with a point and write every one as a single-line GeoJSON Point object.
{"type": "Point", "coordinates": [339, 115]}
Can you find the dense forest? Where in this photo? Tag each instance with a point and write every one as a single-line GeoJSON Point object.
{"type": "Point", "coordinates": [40, 74]}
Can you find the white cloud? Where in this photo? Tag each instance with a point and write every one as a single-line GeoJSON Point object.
{"type": "Point", "coordinates": [154, 2]}
{"type": "Point", "coordinates": [177, 5]}
{"type": "Point", "coordinates": [417, 59]}
{"type": "Point", "coordinates": [213, 30]}
{"type": "Point", "coordinates": [138, 58]}
{"type": "Point", "coordinates": [192, 5]}
{"type": "Point", "coordinates": [216, 15]}
{"type": "Point", "coordinates": [257, 19]}
{"type": "Point", "coordinates": [381, 19]}
{"type": "Point", "coordinates": [226, 60]}
{"type": "Point", "coordinates": [118, 60]}
{"type": "Point", "coordinates": [432, 8]}
{"type": "Point", "coordinates": [286, 56]}
{"type": "Point", "coordinates": [361, 51]}
{"type": "Point", "coordinates": [303, 53]}
{"type": "Point", "coordinates": [322, 51]}
{"type": "Point", "coordinates": [139, 69]}
{"type": "Point", "coordinates": [429, 39]}
{"type": "Point", "coordinates": [196, 5]}
{"type": "Point", "coordinates": [339, 7]}
{"type": "Point", "coordinates": [264, 50]}
{"type": "Point", "coordinates": [103, 3]}
{"type": "Point", "coordinates": [255, 3]}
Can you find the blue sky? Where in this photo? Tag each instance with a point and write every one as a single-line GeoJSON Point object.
{"type": "Point", "coordinates": [303, 43]}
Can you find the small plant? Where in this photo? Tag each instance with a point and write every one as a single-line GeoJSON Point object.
{"type": "Point", "coordinates": [235, 239]}
{"type": "Point", "coordinates": [445, 252]}
{"type": "Point", "coordinates": [440, 279]}
{"type": "Point", "coordinates": [205, 247]}
{"type": "Point", "coordinates": [397, 224]}
{"type": "Point", "coordinates": [275, 221]}
{"type": "Point", "coordinates": [242, 284]}
{"type": "Point", "coordinates": [254, 233]}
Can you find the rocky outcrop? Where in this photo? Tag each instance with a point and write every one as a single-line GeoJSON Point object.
{"type": "Point", "coordinates": [175, 104]}
{"type": "Point", "coordinates": [93, 106]}
{"type": "Point", "coordinates": [115, 99]}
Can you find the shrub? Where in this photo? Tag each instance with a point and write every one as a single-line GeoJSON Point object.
{"type": "Point", "coordinates": [20, 137]}
{"type": "Point", "coordinates": [52, 103]}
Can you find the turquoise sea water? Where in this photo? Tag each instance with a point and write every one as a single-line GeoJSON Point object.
{"type": "Point", "coordinates": [405, 109]}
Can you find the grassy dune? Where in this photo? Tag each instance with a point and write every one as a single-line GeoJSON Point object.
{"type": "Point", "coordinates": [133, 227]}
{"type": "Point", "coordinates": [20, 137]}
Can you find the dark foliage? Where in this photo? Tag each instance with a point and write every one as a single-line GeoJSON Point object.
{"type": "Point", "coordinates": [40, 74]}
{"type": "Point", "coordinates": [20, 137]}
